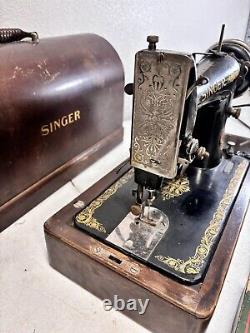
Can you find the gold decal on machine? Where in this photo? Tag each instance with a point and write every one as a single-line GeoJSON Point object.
{"type": "Point", "coordinates": [218, 86]}
{"type": "Point", "coordinates": [60, 123]}
{"type": "Point", "coordinates": [193, 264]}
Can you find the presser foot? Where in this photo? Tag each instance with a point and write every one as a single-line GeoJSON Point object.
{"type": "Point", "coordinates": [153, 216]}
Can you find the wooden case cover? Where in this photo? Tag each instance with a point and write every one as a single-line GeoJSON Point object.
{"type": "Point", "coordinates": [61, 105]}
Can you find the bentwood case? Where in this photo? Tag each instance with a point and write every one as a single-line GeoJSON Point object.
{"type": "Point", "coordinates": [61, 102]}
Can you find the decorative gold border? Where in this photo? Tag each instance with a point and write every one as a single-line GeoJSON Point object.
{"type": "Point", "coordinates": [193, 264]}
{"type": "Point", "coordinates": [86, 215]}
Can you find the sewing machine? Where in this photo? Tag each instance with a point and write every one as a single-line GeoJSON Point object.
{"type": "Point", "coordinates": [180, 182]}
{"type": "Point", "coordinates": [158, 219]}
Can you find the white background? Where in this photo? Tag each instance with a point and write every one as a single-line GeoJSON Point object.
{"type": "Point", "coordinates": [183, 25]}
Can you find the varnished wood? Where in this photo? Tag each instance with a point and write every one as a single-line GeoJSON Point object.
{"type": "Point", "coordinates": [43, 83]}
{"type": "Point", "coordinates": [45, 186]}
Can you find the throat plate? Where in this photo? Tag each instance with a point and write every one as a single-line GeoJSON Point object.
{"type": "Point", "coordinates": [138, 237]}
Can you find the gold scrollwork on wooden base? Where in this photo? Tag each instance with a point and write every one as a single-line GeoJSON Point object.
{"type": "Point", "coordinates": [86, 216]}
{"type": "Point", "coordinates": [194, 263]}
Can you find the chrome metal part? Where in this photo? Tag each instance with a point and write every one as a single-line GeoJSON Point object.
{"type": "Point", "coordinates": [160, 87]}
{"type": "Point", "coordinates": [138, 237]}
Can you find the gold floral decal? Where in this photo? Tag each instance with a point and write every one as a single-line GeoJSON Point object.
{"type": "Point", "coordinates": [86, 215]}
{"type": "Point", "coordinates": [194, 263]}
{"type": "Point", "coordinates": [175, 188]}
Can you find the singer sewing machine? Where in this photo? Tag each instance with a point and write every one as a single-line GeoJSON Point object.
{"type": "Point", "coordinates": [165, 221]}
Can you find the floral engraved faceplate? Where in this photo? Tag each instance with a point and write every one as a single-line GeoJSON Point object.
{"type": "Point", "coordinates": [160, 87]}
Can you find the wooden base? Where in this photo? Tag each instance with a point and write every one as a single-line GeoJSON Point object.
{"type": "Point", "coordinates": [195, 209]}
{"type": "Point", "coordinates": [34, 194]}
{"type": "Point", "coordinates": [173, 307]}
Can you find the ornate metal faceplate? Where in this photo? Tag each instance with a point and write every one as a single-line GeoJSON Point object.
{"type": "Point", "coordinates": [160, 87]}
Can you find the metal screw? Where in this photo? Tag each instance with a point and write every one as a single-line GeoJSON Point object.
{"type": "Point", "coordinates": [202, 80]}
{"type": "Point", "coordinates": [234, 112]}
{"type": "Point", "coordinates": [153, 161]}
{"type": "Point", "coordinates": [134, 270]}
{"type": "Point", "coordinates": [129, 88]}
{"type": "Point", "coordinates": [230, 148]}
{"type": "Point", "coordinates": [231, 144]}
{"type": "Point", "coordinates": [136, 210]}
{"type": "Point", "coordinates": [202, 153]}
{"type": "Point", "coordinates": [79, 204]}
{"type": "Point", "coordinates": [152, 40]}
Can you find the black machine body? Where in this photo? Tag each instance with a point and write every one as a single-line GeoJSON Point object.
{"type": "Point", "coordinates": [202, 102]}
